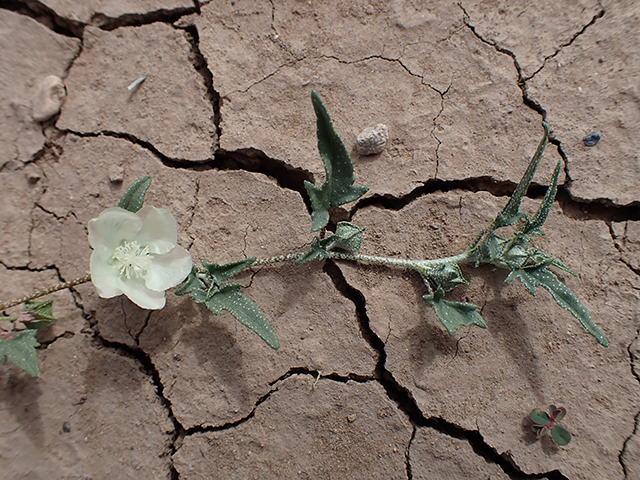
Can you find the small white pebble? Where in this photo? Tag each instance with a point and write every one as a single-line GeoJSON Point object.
{"type": "Point", "coordinates": [48, 98]}
{"type": "Point", "coordinates": [372, 140]}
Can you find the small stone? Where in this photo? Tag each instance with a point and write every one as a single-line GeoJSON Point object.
{"type": "Point", "coordinates": [48, 98]}
{"type": "Point", "coordinates": [32, 174]}
{"type": "Point", "coordinates": [372, 140]}
{"type": "Point", "coordinates": [116, 174]}
{"type": "Point", "coordinates": [66, 427]}
{"type": "Point", "coordinates": [592, 139]}
{"type": "Point", "coordinates": [352, 417]}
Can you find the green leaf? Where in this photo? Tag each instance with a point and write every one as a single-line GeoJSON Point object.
{"type": "Point", "coordinates": [525, 278]}
{"type": "Point", "coordinates": [454, 315]}
{"type": "Point", "coordinates": [348, 237]}
{"type": "Point", "coordinates": [21, 351]}
{"type": "Point", "coordinates": [560, 435]}
{"type": "Point", "coordinates": [191, 284]}
{"type": "Point", "coordinates": [540, 431]}
{"type": "Point", "coordinates": [133, 198]}
{"type": "Point", "coordinates": [445, 276]}
{"type": "Point", "coordinates": [244, 310]}
{"type": "Point", "coordinates": [338, 188]}
{"type": "Point", "coordinates": [540, 276]}
{"type": "Point", "coordinates": [535, 226]}
{"type": "Point", "coordinates": [557, 413]}
{"type": "Point", "coordinates": [511, 213]}
{"type": "Point", "coordinates": [539, 417]}
{"type": "Point", "coordinates": [318, 250]}
{"type": "Point", "coordinates": [541, 259]}
{"type": "Point", "coordinates": [222, 273]}
{"type": "Point", "coordinates": [37, 315]}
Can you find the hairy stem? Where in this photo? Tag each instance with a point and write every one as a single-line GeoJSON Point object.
{"type": "Point", "coordinates": [46, 291]}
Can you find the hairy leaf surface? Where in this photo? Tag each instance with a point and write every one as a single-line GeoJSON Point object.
{"type": "Point", "coordinates": [133, 198]}
{"type": "Point", "coordinates": [454, 315]}
{"type": "Point", "coordinates": [540, 276]}
{"type": "Point", "coordinates": [511, 213]}
{"type": "Point", "coordinates": [338, 188]}
{"type": "Point", "coordinates": [21, 351]}
{"type": "Point", "coordinates": [244, 310]}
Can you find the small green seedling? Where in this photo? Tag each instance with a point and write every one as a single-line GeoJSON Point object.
{"type": "Point", "coordinates": [545, 422]}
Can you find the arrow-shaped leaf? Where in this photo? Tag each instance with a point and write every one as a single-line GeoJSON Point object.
{"type": "Point", "coordinates": [454, 315]}
{"type": "Point", "coordinates": [535, 225]}
{"type": "Point", "coordinates": [338, 188]}
{"type": "Point", "coordinates": [21, 351]}
{"type": "Point", "coordinates": [244, 310]}
{"type": "Point", "coordinates": [540, 276]}
{"type": "Point", "coordinates": [511, 213]}
{"type": "Point", "coordinates": [133, 198]}
{"type": "Point", "coordinates": [222, 273]}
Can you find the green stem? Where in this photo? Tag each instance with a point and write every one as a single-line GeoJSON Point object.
{"type": "Point", "coordinates": [419, 265]}
{"type": "Point", "coordinates": [46, 291]}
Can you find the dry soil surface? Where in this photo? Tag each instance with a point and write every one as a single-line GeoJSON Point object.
{"type": "Point", "coordinates": [367, 383]}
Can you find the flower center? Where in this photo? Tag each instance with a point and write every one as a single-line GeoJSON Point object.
{"type": "Point", "coordinates": [132, 259]}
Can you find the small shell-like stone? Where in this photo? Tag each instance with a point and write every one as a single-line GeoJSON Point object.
{"type": "Point", "coordinates": [48, 98]}
{"type": "Point", "coordinates": [372, 140]}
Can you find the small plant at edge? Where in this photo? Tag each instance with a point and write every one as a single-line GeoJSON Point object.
{"type": "Point", "coordinates": [548, 422]}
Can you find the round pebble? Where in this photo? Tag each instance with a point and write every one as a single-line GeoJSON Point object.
{"type": "Point", "coordinates": [48, 98]}
{"type": "Point", "coordinates": [372, 140]}
{"type": "Point", "coordinates": [66, 427]}
{"type": "Point", "coordinates": [592, 139]}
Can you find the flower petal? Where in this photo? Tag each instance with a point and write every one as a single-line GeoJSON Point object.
{"type": "Point", "coordinates": [105, 277]}
{"type": "Point", "coordinates": [112, 226]}
{"type": "Point", "coordinates": [159, 230]}
{"type": "Point", "coordinates": [168, 270]}
{"type": "Point", "coordinates": [142, 296]}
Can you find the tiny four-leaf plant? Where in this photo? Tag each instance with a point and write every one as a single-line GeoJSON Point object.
{"type": "Point", "coordinates": [548, 422]}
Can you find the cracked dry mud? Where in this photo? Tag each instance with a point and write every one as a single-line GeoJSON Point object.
{"type": "Point", "coordinates": [367, 384]}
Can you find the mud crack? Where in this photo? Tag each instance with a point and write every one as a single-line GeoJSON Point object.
{"type": "Point", "coordinates": [636, 420]}
{"type": "Point", "coordinates": [201, 66]}
{"type": "Point", "coordinates": [46, 16]}
{"type": "Point", "coordinates": [404, 399]}
{"type": "Point", "coordinates": [147, 367]}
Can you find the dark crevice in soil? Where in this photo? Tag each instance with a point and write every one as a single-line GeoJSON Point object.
{"type": "Point", "coordinates": [403, 397]}
{"type": "Point", "coordinates": [603, 209]}
{"type": "Point", "coordinates": [247, 159]}
{"type": "Point", "coordinates": [407, 454]}
{"type": "Point", "coordinates": [46, 16]}
{"type": "Point", "coordinates": [636, 421]}
{"type": "Point", "coordinates": [274, 388]}
{"type": "Point", "coordinates": [595, 18]}
{"type": "Point", "coordinates": [149, 369]}
{"type": "Point", "coordinates": [253, 160]}
{"type": "Point", "coordinates": [529, 102]}
{"type": "Point", "coordinates": [351, 377]}
{"type": "Point", "coordinates": [200, 64]}
{"type": "Point", "coordinates": [138, 19]}
{"type": "Point", "coordinates": [168, 161]}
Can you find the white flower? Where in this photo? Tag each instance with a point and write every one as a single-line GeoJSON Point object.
{"type": "Point", "coordinates": [137, 254]}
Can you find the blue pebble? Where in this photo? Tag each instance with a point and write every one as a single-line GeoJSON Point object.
{"type": "Point", "coordinates": [592, 139]}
